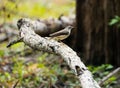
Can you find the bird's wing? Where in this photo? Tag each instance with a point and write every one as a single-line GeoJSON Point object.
{"type": "Point", "coordinates": [58, 33]}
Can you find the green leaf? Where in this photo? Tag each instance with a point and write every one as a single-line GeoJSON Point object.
{"type": "Point", "coordinates": [112, 78]}
{"type": "Point", "coordinates": [109, 67]}
{"type": "Point", "coordinates": [113, 21]}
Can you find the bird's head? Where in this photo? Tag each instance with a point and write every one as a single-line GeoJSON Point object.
{"type": "Point", "coordinates": [69, 27]}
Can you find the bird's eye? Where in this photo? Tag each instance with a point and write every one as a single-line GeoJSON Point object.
{"type": "Point", "coordinates": [70, 27]}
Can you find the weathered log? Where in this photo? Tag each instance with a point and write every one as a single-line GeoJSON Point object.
{"type": "Point", "coordinates": [30, 38]}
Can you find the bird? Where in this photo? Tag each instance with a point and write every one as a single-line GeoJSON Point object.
{"type": "Point", "coordinates": [62, 34]}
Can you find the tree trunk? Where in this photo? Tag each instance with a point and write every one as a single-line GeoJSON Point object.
{"type": "Point", "coordinates": [97, 41]}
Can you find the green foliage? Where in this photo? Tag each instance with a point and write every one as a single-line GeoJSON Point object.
{"type": "Point", "coordinates": [115, 21]}
{"type": "Point", "coordinates": [102, 71]}
{"type": "Point", "coordinates": [15, 9]}
{"type": "Point", "coordinates": [8, 10]}
{"type": "Point", "coordinates": [19, 68]}
{"type": "Point", "coordinates": [5, 77]}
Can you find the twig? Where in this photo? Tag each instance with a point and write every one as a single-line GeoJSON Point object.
{"type": "Point", "coordinates": [108, 76]}
{"type": "Point", "coordinates": [14, 86]}
{"type": "Point", "coordinates": [14, 42]}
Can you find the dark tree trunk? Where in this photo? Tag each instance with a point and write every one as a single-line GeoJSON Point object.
{"type": "Point", "coordinates": [98, 42]}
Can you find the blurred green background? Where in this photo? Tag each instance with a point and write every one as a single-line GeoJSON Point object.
{"type": "Point", "coordinates": [11, 10]}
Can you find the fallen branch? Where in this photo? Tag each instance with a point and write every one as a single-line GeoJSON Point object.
{"type": "Point", "coordinates": [108, 76]}
{"type": "Point", "coordinates": [30, 38]}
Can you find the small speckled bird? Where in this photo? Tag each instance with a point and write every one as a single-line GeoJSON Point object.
{"type": "Point", "coordinates": [62, 34]}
